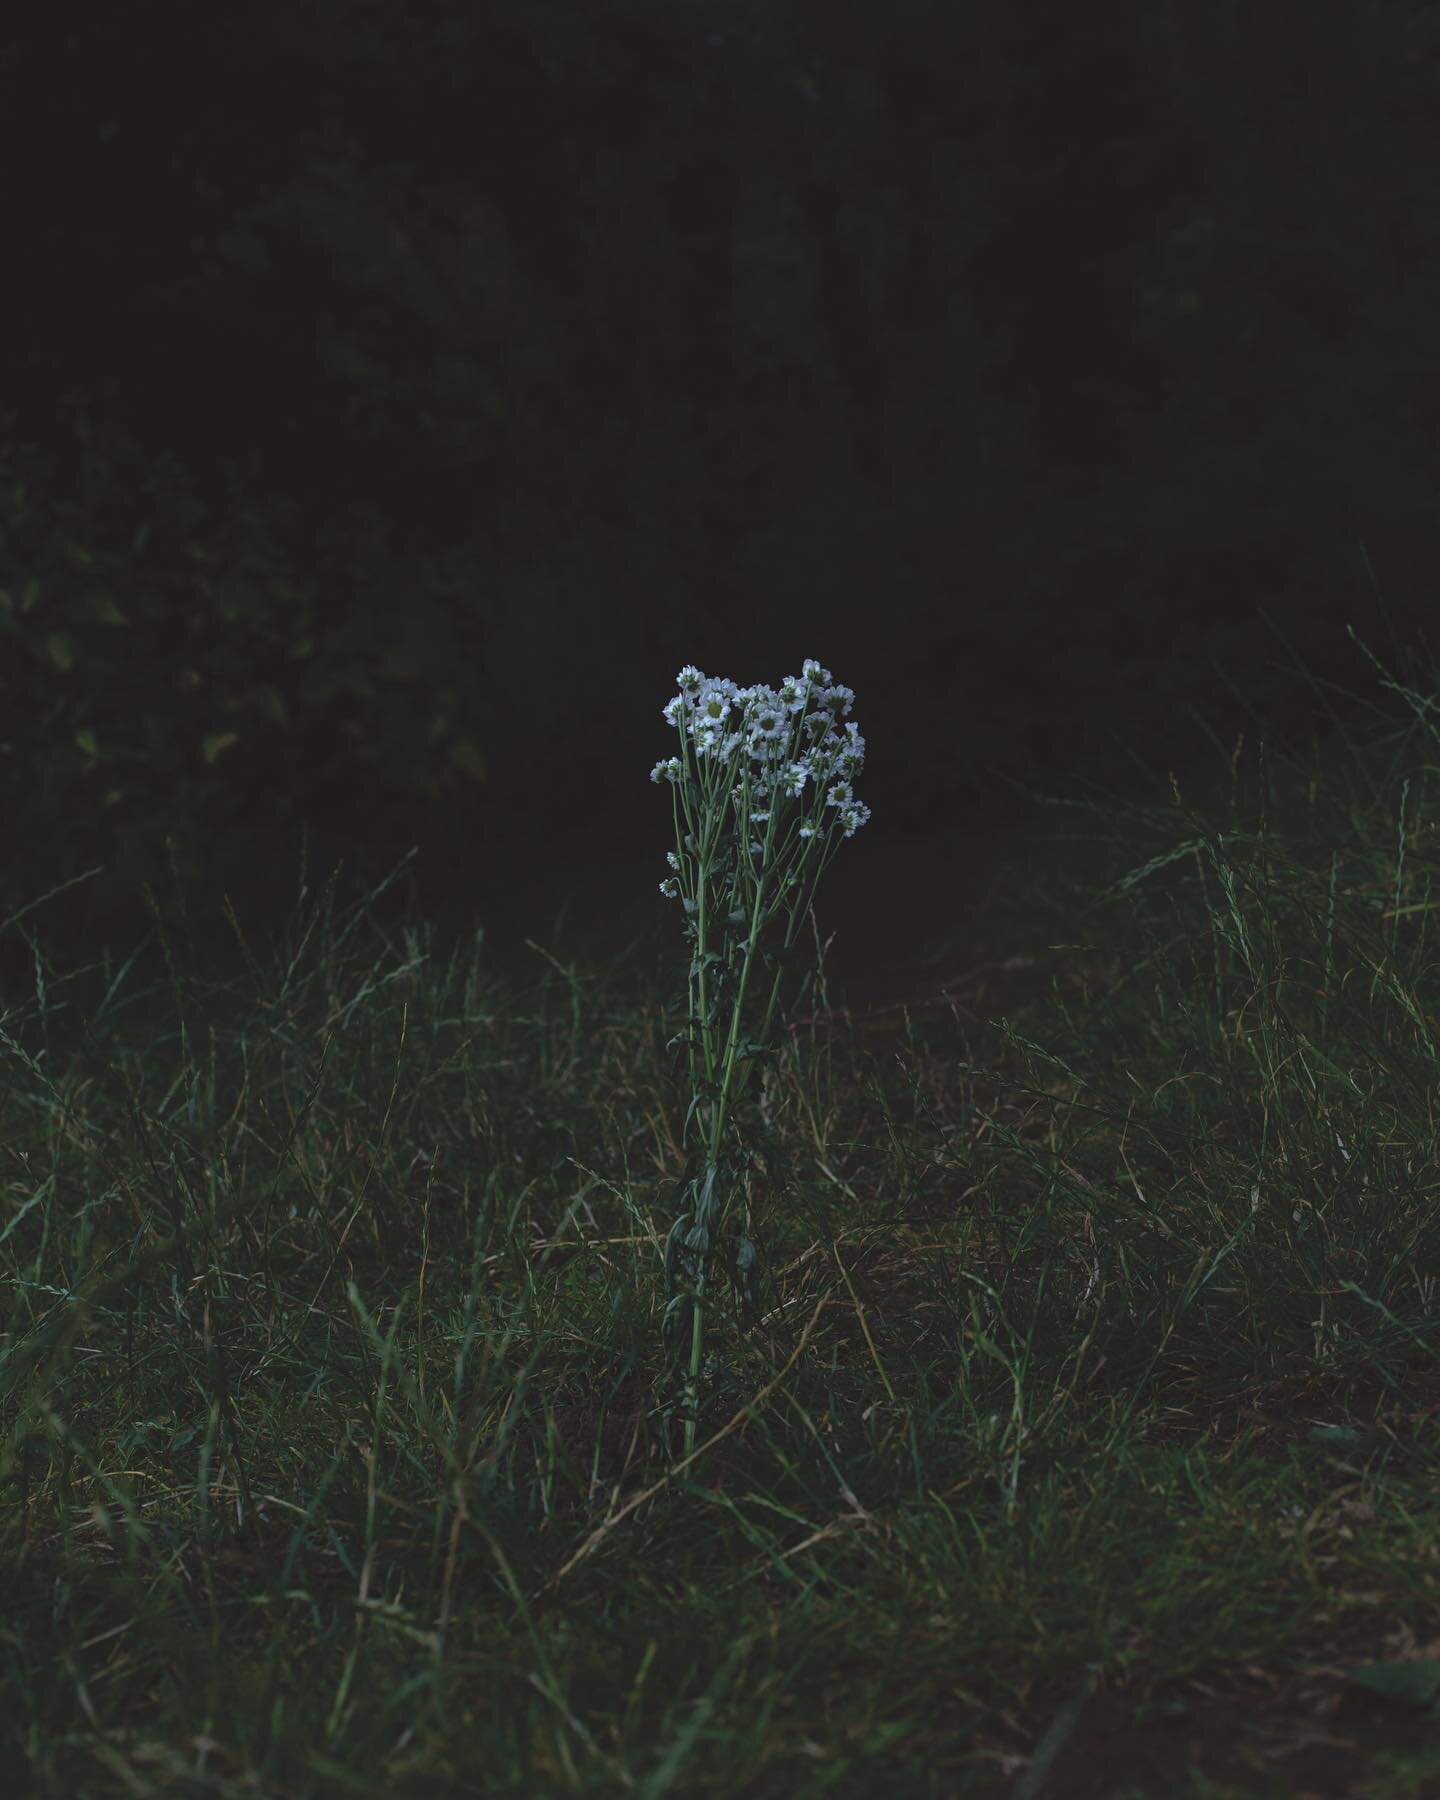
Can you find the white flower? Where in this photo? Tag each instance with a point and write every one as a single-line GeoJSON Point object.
{"type": "Point", "coordinates": [672, 859]}
{"type": "Point", "coordinates": [840, 757]}
{"type": "Point", "coordinates": [820, 758]}
{"type": "Point", "coordinates": [762, 742]}
{"type": "Point", "coordinates": [767, 752]}
{"type": "Point", "coordinates": [819, 725]}
{"type": "Point", "coordinates": [670, 888]}
{"type": "Point", "coordinates": [767, 723]}
{"type": "Point", "coordinates": [712, 704]}
{"type": "Point", "coordinates": [842, 693]}
{"type": "Point", "coordinates": [712, 741]}
{"type": "Point", "coordinates": [853, 754]}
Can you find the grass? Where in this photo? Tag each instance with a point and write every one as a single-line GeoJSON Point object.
{"type": "Point", "coordinates": [1087, 1445]}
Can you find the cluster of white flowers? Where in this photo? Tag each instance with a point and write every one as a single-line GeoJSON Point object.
{"type": "Point", "coordinates": [787, 737]}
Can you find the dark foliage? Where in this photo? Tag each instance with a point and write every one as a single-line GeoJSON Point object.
{"type": "Point", "coordinates": [406, 393]}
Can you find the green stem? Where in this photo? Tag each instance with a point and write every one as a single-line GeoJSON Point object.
{"type": "Point", "coordinates": [692, 1387]}
{"type": "Point", "coordinates": [717, 1111]}
{"type": "Point", "coordinates": [716, 1134]}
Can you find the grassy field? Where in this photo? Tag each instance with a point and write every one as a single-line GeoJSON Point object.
{"type": "Point", "coordinates": [1086, 1445]}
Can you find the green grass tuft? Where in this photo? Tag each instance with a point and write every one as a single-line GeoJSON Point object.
{"type": "Point", "coordinates": [1087, 1442]}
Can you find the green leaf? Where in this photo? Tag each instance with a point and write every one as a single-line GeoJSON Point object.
{"type": "Point", "coordinates": [214, 745]}
{"type": "Point", "coordinates": [104, 610]}
{"type": "Point", "coordinates": [265, 698]}
{"type": "Point", "coordinates": [85, 740]}
{"type": "Point", "coordinates": [1412, 1683]}
{"type": "Point", "coordinates": [59, 650]}
{"type": "Point", "coordinates": [469, 759]}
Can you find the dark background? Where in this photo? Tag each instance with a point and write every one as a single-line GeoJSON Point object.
{"type": "Point", "coordinates": [396, 396]}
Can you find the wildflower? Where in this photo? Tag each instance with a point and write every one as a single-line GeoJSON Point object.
{"type": "Point", "coordinates": [771, 741]}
